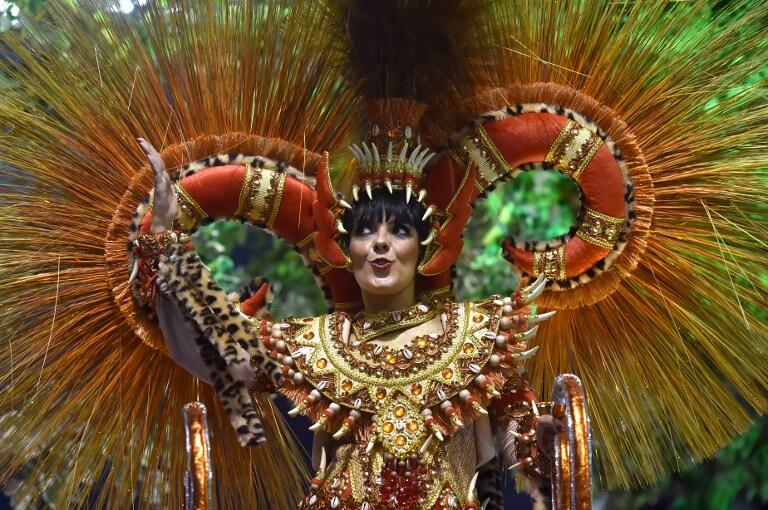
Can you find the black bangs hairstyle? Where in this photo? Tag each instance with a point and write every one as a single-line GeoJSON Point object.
{"type": "Point", "coordinates": [368, 213]}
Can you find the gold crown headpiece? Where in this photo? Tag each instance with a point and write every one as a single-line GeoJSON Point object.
{"type": "Point", "coordinates": [392, 128]}
{"type": "Point", "coordinates": [402, 171]}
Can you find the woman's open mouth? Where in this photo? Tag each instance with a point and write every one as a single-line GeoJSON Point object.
{"type": "Point", "coordinates": [380, 263]}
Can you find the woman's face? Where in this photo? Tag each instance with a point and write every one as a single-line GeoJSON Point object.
{"type": "Point", "coordinates": [384, 257]}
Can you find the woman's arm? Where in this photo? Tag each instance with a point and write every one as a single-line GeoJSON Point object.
{"type": "Point", "coordinates": [204, 331]}
{"type": "Point", "coordinates": [179, 339]}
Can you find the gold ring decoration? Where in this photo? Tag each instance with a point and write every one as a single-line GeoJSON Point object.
{"type": "Point", "coordinates": [572, 472]}
{"type": "Point", "coordinates": [548, 126]}
{"type": "Point", "coordinates": [258, 181]}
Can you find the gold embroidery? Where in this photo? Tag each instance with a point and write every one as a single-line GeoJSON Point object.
{"type": "Point", "coordinates": [370, 326]}
{"type": "Point", "coordinates": [280, 184]}
{"type": "Point", "coordinates": [497, 158]}
{"type": "Point", "coordinates": [551, 263]}
{"type": "Point", "coordinates": [491, 164]}
{"type": "Point", "coordinates": [244, 187]}
{"type": "Point", "coordinates": [600, 229]}
{"type": "Point", "coordinates": [189, 214]}
{"type": "Point", "coordinates": [400, 428]}
{"type": "Point", "coordinates": [573, 149]}
{"type": "Point", "coordinates": [260, 195]}
{"type": "Point", "coordinates": [397, 412]}
{"type": "Point", "coordinates": [346, 376]}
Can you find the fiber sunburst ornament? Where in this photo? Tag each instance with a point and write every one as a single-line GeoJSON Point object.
{"type": "Point", "coordinates": [657, 110]}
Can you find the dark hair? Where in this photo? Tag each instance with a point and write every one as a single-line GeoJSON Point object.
{"type": "Point", "coordinates": [368, 213]}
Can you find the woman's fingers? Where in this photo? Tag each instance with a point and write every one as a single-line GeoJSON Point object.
{"type": "Point", "coordinates": [155, 161]}
{"type": "Point", "coordinates": [164, 203]}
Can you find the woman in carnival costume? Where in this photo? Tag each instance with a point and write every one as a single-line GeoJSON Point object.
{"type": "Point", "coordinates": [410, 393]}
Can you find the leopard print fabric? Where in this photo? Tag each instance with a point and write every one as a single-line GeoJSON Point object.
{"type": "Point", "coordinates": [225, 336]}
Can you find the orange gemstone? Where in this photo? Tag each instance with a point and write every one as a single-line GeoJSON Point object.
{"type": "Point", "coordinates": [469, 348]}
{"type": "Point", "coordinates": [400, 411]}
{"type": "Point", "coordinates": [309, 335]}
{"type": "Point", "coordinates": [346, 385]}
{"type": "Point", "coordinates": [400, 440]}
{"type": "Point", "coordinates": [391, 358]}
{"type": "Point", "coordinates": [421, 343]}
{"type": "Point", "coordinates": [412, 426]}
{"type": "Point", "coordinates": [447, 373]}
{"type": "Point", "coordinates": [381, 393]}
{"type": "Point", "coordinates": [388, 427]}
{"type": "Point", "coordinates": [416, 389]}
{"type": "Point", "coordinates": [477, 318]}
{"type": "Point", "coordinates": [322, 363]}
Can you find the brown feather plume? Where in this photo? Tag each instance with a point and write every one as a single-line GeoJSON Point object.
{"type": "Point", "coordinates": [414, 49]}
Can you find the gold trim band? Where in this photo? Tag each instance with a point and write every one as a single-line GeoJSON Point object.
{"type": "Point", "coordinates": [260, 196]}
{"type": "Point", "coordinates": [600, 229]}
{"type": "Point", "coordinates": [244, 187]}
{"type": "Point", "coordinates": [189, 214]}
{"type": "Point", "coordinates": [551, 263]}
{"type": "Point", "coordinates": [573, 149]}
{"type": "Point", "coordinates": [280, 185]}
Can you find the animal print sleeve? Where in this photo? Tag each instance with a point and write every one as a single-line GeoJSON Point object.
{"type": "Point", "coordinates": [226, 338]}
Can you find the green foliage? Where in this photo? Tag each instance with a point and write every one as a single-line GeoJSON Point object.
{"type": "Point", "coordinates": [537, 205]}
{"type": "Point", "coordinates": [237, 253]}
{"type": "Point", "coordinates": [737, 476]}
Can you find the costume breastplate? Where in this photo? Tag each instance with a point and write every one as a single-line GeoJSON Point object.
{"type": "Point", "coordinates": [406, 409]}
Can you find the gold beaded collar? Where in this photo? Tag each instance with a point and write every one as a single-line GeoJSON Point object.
{"type": "Point", "coordinates": [367, 326]}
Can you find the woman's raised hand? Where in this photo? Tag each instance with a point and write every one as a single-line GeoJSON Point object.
{"type": "Point", "coordinates": [164, 203]}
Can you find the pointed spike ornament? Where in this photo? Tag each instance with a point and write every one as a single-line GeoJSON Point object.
{"type": "Point", "coordinates": [472, 485]}
{"type": "Point", "coordinates": [401, 159]}
{"type": "Point", "coordinates": [376, 160]}
{"type": "Point", "coordinates": [527, 335]}
{"type": "Point", "coordinates": [408, 191]}
{"type": "Point", "coordinates": [425, 446]}
{"type": "Point", "coordinates": [323, 461]}
{"type": "Point", "coordinates": [430, 422]}
{"type": "Point", "coordinates": [371, 444]}
{"type": "Point", "coordinates": [450, 412]}
{"type": "Point", "coordinates": [134, 271]}
{"type": "Point", "coordinates": [471, 401]}
{"type": "Point", "coordinates": [368, 155]}
{"type": "Point", "coordinates": [388, 184]}
{"type": "Point", "coordinates": [422, 195]}
{"type": "Point", "coordinates": [356, 153]}
{"type": "Point", "coordinates": [425, 161]}
{"type": "Point", "coordinates": [349, 422]}
{"type": "Point", "coordinates": [368, 190]}
{"type": "Point", "coordinates": [414, 155]}
{"type": "Point", "coordinates": [329, 411]}
{"type": "Point", "coordinates": [356, 193]}
{"type": "Point", "coordinates": [534, 319]}
{"type": "Point", "coordinates": [417, 161]}
{"type": "Point", "coordinates": [428, 213]}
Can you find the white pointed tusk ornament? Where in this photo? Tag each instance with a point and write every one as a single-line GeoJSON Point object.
{"type": "Point", "coordinates": [134, 271]}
